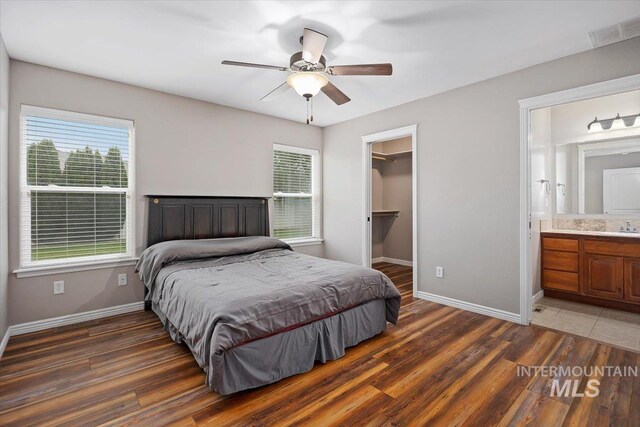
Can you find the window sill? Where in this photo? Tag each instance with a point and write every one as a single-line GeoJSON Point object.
{"type": "Point", "coordinates": [306, 242]}
{"type": "Point", "coordinates": [46, 270]}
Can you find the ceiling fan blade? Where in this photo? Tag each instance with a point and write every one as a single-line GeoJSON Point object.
{"type": "Point", "coordinates": [249, 64]}
{"type": "Point", "coordinates": [276, 92]}
{"type": "Point", "coordinates": [313, 44]}
{"type": "Point", "coordinates": [335, 94]}
{"type": "Point", "coordinates": [361, 70]}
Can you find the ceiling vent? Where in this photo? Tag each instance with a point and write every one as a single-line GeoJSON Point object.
{"type": "Point", "coordinates": [615, 33]}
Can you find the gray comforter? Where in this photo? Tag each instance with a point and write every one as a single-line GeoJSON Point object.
{"type": "Point", "coordinates": [218, 294]}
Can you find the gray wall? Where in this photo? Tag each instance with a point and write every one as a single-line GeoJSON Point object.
{"type": "Point", "coordinates": [593, 167]}
{"type": "Point", "coordinates": [397, 231]}
{"type": "Point", "coordinates": [468, 175]}
{"type": "Point", "coordinates": [391, 237]}
{"type": "Point", "coordinates": [4, 164]}
{"type": "Point", "coordinates": [377, 203]}
{"type": "Point", "coordinates": [183, 146]}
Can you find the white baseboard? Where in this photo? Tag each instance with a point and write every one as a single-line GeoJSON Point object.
{"type": "Point", "coordinates": [392, 261]}
{"type": "Point", "coordinates": [4, 342]}
{"type": "Point", "coordinates": [54, 322]}
{"type": "Point", "coordinates": [476, 308]}
{"type": "Point", "coordinates": [537, 297]}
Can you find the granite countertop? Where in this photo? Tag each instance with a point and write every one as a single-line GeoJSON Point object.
{"type": "Point", "coordinates": [595, 233]}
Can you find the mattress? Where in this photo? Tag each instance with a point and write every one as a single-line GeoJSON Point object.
{"type": "Point", "coordinates": [227, 298]}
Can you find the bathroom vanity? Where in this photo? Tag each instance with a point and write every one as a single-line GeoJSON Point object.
{"type": "Point", "coordinates": [597, 268]}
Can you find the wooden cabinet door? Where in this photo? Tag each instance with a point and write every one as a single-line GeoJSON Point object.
{"type": "Point", "coordinates": [632, 279]}
{"type": "Point", "coordinates": [603, 276]}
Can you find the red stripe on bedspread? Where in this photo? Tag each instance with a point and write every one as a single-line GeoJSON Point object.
{"type": "Point", "coordinates": [298, 325]}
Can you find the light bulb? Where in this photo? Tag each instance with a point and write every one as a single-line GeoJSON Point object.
{"type": "Point", "coordinates": [617, 123]}
{"type": "Point", "coordinates": [307, 83]}
{"type": "Point", "coordinates": [594, 126]}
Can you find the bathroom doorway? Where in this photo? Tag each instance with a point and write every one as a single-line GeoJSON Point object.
{"type": "Point", "coordinates": [563, 205]}
{"type": "Point", "coordinates": [585, 214]}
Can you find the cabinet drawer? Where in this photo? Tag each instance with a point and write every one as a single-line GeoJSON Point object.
{"type": "Point", "coordinates": [565, 261]}
{"type": "Point", "coordinates": [560, 280]}
{"type": "Point", "coordinates": [570, 245]}
{"type": "Point", "coordinates": [612, 248]}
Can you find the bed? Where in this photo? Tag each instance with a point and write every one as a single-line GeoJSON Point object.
{"type": "Point", "coordinates": [251, 310]}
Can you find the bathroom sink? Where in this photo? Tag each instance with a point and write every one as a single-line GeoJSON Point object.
{"type": "Point", "coordinates": [599, 233]}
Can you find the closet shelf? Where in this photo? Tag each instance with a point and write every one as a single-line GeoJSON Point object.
{"type": "Point", "coordinates": [390, 156]}
{"type": "Point", "coordinates": [385, 212]}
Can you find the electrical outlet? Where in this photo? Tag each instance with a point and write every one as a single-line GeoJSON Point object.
{"type": "Point", "coordinates": [439, 272]}
{"type": "Point", "coordinates": [58, 287]}
{"type": "Point", "coordinates": [122, 279]}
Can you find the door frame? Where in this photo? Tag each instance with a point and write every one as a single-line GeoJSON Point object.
{"type": "Point", "coordinates": [610, 87]}
{"type": "Point", "coordinates": [367, 164]}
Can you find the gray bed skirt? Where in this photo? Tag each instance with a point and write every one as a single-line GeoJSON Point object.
{"type": "Point", "coordinates": [267, 360]}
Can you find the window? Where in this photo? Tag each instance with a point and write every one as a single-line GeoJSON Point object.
{"type": "Point", "coordinates": [76, 182]}
{"type": "Point", "coordinates": [296, 197]}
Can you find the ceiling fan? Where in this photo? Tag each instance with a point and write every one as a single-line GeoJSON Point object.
{"type": "Point", "coordinates": [309, 72]}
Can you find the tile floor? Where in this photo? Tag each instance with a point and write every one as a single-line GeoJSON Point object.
{"type": "Point", "coordinates": [619, 328]}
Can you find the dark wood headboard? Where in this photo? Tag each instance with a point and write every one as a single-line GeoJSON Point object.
{"type": "Point", "coordinates": [188, 217]}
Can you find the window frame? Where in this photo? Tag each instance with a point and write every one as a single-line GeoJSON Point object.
{"type": "Point", "coordinates": [29, 267]}
{"type": "Point", "coordinates": [316, 194]}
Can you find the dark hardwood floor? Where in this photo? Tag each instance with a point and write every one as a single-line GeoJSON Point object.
{"type": "Point", "coordinates": [439, 366]}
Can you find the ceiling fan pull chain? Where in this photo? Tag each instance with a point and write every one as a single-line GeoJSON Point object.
{"type": "Point", "coordinates": [307, 110]}
{"type": "Point", "coordinates": [311, 108]}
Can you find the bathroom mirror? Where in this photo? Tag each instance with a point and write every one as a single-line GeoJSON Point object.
{"type": "Point", "coordinates": [598, 178]}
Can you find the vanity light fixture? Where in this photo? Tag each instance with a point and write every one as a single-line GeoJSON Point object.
{"type": "Point", "coordinates": [614, 123]}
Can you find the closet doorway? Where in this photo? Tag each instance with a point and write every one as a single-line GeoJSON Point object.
{"type": "Point", "coordinates": [390, 200]}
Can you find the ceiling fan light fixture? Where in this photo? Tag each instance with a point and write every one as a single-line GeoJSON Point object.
{"type": "Point", "coordinates": [309, 72]}
{"type": "Point", "coordinates": [307, 83]}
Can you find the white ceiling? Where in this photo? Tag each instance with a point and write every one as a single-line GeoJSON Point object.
{"type": "Point", "coordinates": [177, 47]}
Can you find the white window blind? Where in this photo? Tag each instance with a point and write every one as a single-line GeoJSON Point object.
{"type": "Point", "coordinates": [76, 183]}
{"type": "Point", "coordinates": [296, 193]}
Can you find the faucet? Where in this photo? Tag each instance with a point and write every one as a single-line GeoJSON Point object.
{"type": "Point", "coordinates": [627, 228]}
